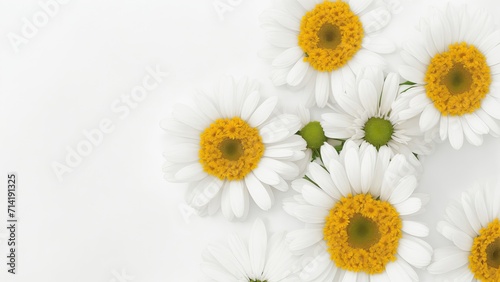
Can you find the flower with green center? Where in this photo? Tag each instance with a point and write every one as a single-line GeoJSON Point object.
{"type": "Point", "coordinates": [378, 131]}
{"type": "Point", "coordinates": [473, 225]}
{"type": "Point", "coordinates": [260, 259]}
{"type": "Point", "coordinates": [227, 148]}
{"type": "Point", "coordinates": [313, 134]}
{"type": "Point", "coordinates": [321, 43]}
{"type": "Point", "coordinates": [358, 224]}
{"type": "Point", "coordinates": [455, 67]}
{"type": "Point", "coordinates": [368, 114]}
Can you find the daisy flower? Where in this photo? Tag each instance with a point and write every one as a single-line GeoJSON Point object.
{"type": "Point", "coordinates": [456, 67]}
{"type": "Point", "coordinates": [369, 114]}
{"type": "Point", "coordinates": [320, 43]}
{"type": "Point", "coordinates": [314, 135]}
{"type": "Point", "coordinates": [357, 209]}
{"type": "Point", "coordinates": [473, 225]}
{"type": "Point", "coordinates": [231, 147]}
{"type": "Point", "coordinates": [261, 260]}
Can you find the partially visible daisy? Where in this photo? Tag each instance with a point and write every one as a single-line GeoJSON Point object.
{"type": "Point", "coordinates": [261, 260]}
{"type": "Point", "coordinates": [369, 114]}
{"type": "Point", "coordinates": [232, 147]}
{"type": "Point", "coordinates": [313, 133]}
{"type": "Point", "coordinates": [456, 67]}
{"type": "Point", "coordinates": [358, 209]}
{"type": "Point", "coordinates": [473, 225]}
{"type": "Point", "coordinates": [321, 43]}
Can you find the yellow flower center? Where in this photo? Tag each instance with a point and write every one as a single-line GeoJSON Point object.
{"type": "Point", "coordinates": [330, 35]}
{"type": "Point", "coordinates": [362, 233]}
{"type": "Point", "coordinates": [230, 149]}
{"type": "Point", "coordinates": [458, 80]}
{"type": "Point", "coordinates": [484, 259]}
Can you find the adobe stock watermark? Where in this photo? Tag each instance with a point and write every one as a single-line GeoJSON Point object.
{"type": "Point", "coordinates": [121, 276]}
{"type": "Point", "coordinates": [224, 6]}
{"type": "Point", "coordinates": [121, 108]}
{"type": "Point", "coordinates": [381, 16]}
{"type": "Point", "coordinates": [48, 9]}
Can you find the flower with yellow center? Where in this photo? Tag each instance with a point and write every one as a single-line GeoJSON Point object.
{"type": "Point", "coordinates": [473, 225]}
{"type": "Point", "coordinates": [456, 69]}
{"type": "Point", "coordinates": [357, 206]}
{"type": "Point", "coordinates": [230, 147]}
{"type": "Point", "coordinates": [320, 44]}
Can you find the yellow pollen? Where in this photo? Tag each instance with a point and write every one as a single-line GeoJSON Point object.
{"type": "Point", "coordinates": [484, 259]}
{"type": "Point", "coordinates": [458, 80]}
{"type": "Point", "coordinates": [362, 233]}
{"type": "Point", "coordinates": [330, 35]}
{"type": "Point", "coordinates": [230, 149]}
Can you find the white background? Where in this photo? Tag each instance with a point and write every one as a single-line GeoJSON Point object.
{"type": "Point", "coordinates": [114, 212]}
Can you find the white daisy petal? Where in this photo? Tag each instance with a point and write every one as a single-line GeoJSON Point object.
{"type": "Point", "coordinates": [415, 228]}
{"type": "Point", "coordinates": [262, 113]}
{"type": "Point", "coordinates": [260, 193]}
{"type": "Point", "coordinates": [491, 106]}
{"type": "Point", "coordinates": [322, 89]}
{"type": "Point", "coordinates": [455, 132]}
{"type": "Point", "coordinates": [476, 124]}
{"type": "Point", "coordinates": [323, 179]}
{"type": "Point", "coordinates": [449, 263]}
{"type": "Point", "coordinates": [368, 96]}
{"type": "Point", "coordinates": [257, 248]}
{"type": "Point", "coordinates": [490, 122]}
{"type": "Point", "coordinates": [389, 92]}
{"type": "Point", "coordinates": [303, 238]}
{"type": "Point", "coordinates": [410, 206]}
{"type": "Point", "coordinates": [352, 166]}
{"type": "Point", "coordinates": [297, 73]}
{"type": "Point", "coordinates": [317, 197]}
{"type": "Point", "coordinates": [412, 74]}
{"type": "Point", "coordinates": [396, 273]}
{"type": "Point", "coordinates": [368, 162]}
{"type": "Point", "coordinates": [429, 118]}
{"type": "Point", "coordinates": [251, 103]}
{"type": "Point", "coordinates": [404, 189]}
{"type": "Point", "coordinates": [288, 58]}
{"type": "Point", "coordinates": [239, 198]}
{"type": "Point", "coordinates": [415, 251]}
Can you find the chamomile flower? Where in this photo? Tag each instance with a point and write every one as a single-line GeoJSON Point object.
{"type": "Point", "coordinates": [261, 260]}
{"type": "Point", "coordinates": [231, 147]}
{"type": "Point", "coordinates": [473, 225]}
{"type": "Point", "coordinates": [357, 208]}
{"type": "Point", "coordinates": [456, 67]}
{"type": "Point", "coordinates": [320, 43]}
{"type": "Point", "coordinates": [369, 114]}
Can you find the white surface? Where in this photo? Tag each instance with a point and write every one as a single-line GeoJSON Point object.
{"type": "Point", "coordinates": [115, 212]}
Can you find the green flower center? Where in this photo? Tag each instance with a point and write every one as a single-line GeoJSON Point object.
{"type": "Point", "coordinates": [493, 254]}
{"type": "Point", "coordinates": [378, 131]}
{"type": "Point", "coordinates": [362, 232]}
{"type": "Point", "coordinates": [329, 36]}
{"type": "Point", "coordinates": [314, 135]}
{"type": "Point", "coordinates": [231, 149]}
{"type": "Point", "coordinates": [458, 80]}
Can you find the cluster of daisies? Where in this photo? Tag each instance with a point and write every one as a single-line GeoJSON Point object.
{"type": "Point", "coordinates": [353, 172]}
